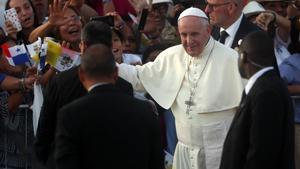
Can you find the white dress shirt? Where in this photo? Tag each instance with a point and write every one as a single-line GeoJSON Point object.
{"type": "Point", "coordinates": [231, 30]}
{"type": "Point", "coordinates": [254, 77]}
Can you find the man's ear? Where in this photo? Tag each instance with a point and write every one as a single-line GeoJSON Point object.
{"type": "Point", "coordinates": [244, 57]}
{"type": "Point", "coordinates": [82, 47]}
{"type": "Point", "coordinates": [81, 75]}
{"type": "Point", "coordinates": [232, 8]}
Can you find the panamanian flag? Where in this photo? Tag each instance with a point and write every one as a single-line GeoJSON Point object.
{"type": "Point", "coordinates": [18, 55]}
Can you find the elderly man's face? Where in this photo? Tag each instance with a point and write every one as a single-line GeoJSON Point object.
{"type": "Point", "coordinates": [218, 11]}
{"type": "Point", "coordinates": [194, 34]}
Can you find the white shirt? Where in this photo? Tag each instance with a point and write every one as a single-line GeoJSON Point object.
{"type": "Point", "coordinates": [254, 77]}
{"type": "Point", "coordinates": [231, 30]}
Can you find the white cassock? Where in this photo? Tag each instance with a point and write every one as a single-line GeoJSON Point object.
{"type": "Point", "coordinates": [171, 79]}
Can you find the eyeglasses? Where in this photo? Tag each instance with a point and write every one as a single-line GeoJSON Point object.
{"type": "Point", "coordinates": [214, 6]}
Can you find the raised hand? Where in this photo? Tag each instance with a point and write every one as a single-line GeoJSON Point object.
{"type": "Point", "coordinates": [11, 30]}
{"type": "Point", "coordinates": [140, 4]}
{"type": "Point", "coordinates": [56, 13]}
{"type": "Point", "coordinates": [118, 21]}
{"type": "Point", "coordinates": [264, 19]}
{"type": "Point", "coordinates": [65, 44]}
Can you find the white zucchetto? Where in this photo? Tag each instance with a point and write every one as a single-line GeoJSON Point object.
{"type": "Point", "coordinates": [192, 11]}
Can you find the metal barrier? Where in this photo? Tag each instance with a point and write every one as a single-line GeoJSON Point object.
{"type": "Point", "coordinates": [26, 151]}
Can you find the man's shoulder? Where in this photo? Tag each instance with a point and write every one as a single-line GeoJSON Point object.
{"type": "Point", "coordinates": [225, 51]}
{"type": "Point", "coordinates": [114, 101]}
{"type": "Point", "coordinates": [269, 82]}
{"type": "Point", "coordinates": [71, 73]}
{"type": "Point", "coordinates": [66, 77]}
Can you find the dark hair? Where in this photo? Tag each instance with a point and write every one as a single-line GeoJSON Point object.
{"type": "Point", "coordinates": [21, 35]}
{"type": "Point", "coordinates": [119, 34]}
{"type": "Point", "coordinates": [259, 47]}
{"type": "Point", "coordinates": [294, 46]}
{"type": "Point", "coordinates": [55, 31]}
{"type": "Point", "coordinates": [98, 60]}
{"type": "Point", "coordinates": [77, 13]}
{"type": "Point", "coordinates": [153, 48]}
{"type": "Point", "coordinates": [96, 32]}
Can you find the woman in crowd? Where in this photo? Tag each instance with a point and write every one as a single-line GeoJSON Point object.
{"type": "Point", "coordinates": [27, 17]}
{"type": "Point", "coordinates": [71, 31]}
{"type": "Point", "coordinates": [64, 24]}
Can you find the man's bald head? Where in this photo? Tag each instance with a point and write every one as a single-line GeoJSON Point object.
{"type": "Point", "coordinates": [98, 61]}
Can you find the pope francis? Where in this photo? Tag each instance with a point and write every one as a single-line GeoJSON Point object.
{"type": "Point", "coordinates": [199, 80]}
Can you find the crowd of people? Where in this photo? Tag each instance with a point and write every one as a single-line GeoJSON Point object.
{"type": "Point", "coordinates": [202, 85]}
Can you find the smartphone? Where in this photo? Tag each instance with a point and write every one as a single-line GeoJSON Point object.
{"type": "Point", "coordinates": [143, 19]}
{"type": "Point", "coordinates": [11, 15]}
{"type": "Point", "coordinates": [106, 19]}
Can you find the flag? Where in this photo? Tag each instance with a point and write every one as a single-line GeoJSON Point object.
{"type": "Point", "coordinates": [43, 55]}
{"type": "Point", "coordinates": [67, 59]}
{"type": "Point", "coordinates": [18, 54]}
{"type": "Point", "coordinates": [53, 52]}
{"type": "Point", "coordinates": [34, 50]}
{"type": "Point", "coordinates": [5, 50]}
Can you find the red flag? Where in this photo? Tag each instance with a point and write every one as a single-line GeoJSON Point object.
{"type": "Point", "coordinates": [5, 50]}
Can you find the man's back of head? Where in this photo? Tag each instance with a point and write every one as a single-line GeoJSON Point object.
{"type": "Point", "coordinates": [98, 65]}
{"type": "Point", "coordinates": [96, 32]}
{"type": "Point", "coordinates": [259, 48]}
{"type": "Point", "coordinates": [256, 52]}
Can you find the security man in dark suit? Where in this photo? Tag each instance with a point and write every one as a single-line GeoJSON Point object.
{"type": "Point", "coordinates": [106, 128]}
{"type": "Point", "coordinates": [229, 23]}
{"type": "Point", "coordinates": [261, 135]}
{"type": "Point", "coordinates": [64, 88]}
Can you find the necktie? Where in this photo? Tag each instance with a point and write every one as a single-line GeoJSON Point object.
{"type": "Point", "coordinates": [223, 36]}
{"type": "Point", "coordinates": [242, 103]}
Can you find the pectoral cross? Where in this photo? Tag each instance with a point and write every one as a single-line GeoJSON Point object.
{"type": "Point", "coordinates": [189, 103]}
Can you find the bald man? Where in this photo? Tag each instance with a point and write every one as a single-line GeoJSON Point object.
{"type": "Point", "coordinates": [200, 82]}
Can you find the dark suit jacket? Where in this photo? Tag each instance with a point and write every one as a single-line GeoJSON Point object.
{"type": "Point", "coordinates": [61, 90]}
{"type": "Point", "coordinates": [108, 129]}
{"type": "Point", "coordinates": [261, 135]}
{"type": "Point", "coordinates": [245, 27]}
